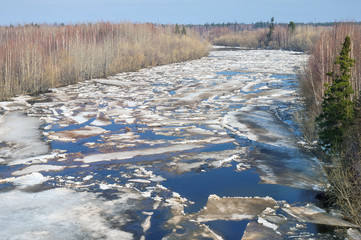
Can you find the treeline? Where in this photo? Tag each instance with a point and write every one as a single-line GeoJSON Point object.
{"type": "Point", "coordinates": [35, 57]}
{"type": "Point", "coordinates": [290, 36]}
{"type": "Point", "coordinates": [331, 85]}
{"type": "Point", "coordinates": [299, 38]}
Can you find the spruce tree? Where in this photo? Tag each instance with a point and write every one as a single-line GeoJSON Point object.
{"type": "Point", "coordinates": [184, 31]}
{"type": "Point", "coordinates": [271, 28]}
{"type": "Point", "coordinates": [291, 27]}
{"type": "Point", "coordinates": [177, 29]}
{"type": "Point", "coordinates": [337, 107]}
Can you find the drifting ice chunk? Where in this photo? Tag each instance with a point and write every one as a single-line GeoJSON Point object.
{"type": "Point", "coordinates": [233, 208]}
{"type": "Point", "coordinates": [25, 181]}
{"type": "Point", "coordinates": [101, 120]}
{"type": "Point", "coordinates": [267, 224]}
{"type": "Point", "coordinates": [219, 163]}
{"type": "Point", "coordinates": [33, 160]}
{"type": "Point", "coordinates": [38, 168]}
{"type": "Point", "coordinates": [60, 214]}
{"type": "Point", "coordinates": [313, 214]}
{"type": "Point", "coordinates": [22, 137]}
{"type": "Point", "coordinates": [257, 231]}
{"type": "Point", "coordinates": [16, 104]}
{"type": "Point", "coordinates": [73, 135]}
{"type": "Point", "coordinates": [131, 154]}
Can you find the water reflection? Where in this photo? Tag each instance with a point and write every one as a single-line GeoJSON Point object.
{"type": "Point", "coordinates": [226, 182]}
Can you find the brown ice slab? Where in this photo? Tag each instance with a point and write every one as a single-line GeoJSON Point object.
{"type": "Point", "coordinates": [233, 208]}
{"type": "Point", "coordinates": [313, 214]}
{"type": "Point", "coordinates": [73, 135]}
{"type": "Point", "coordinates": [255, 231]}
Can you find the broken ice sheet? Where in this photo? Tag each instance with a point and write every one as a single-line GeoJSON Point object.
{"type": "Point", "coordinates": [16, 104]}
{"type": "Point", "coordinates": [26, 181]}
{"type": "Point", "coordinates": [130, 154]}
{"type": "Point", "coordinates": [36, 159]}
{"type": "Point", "coordinates": [277, 156]}
{"type": "Point", "coordinates": [313, 214]}
{"type": "Point", "coordinates": [38, 168]}
{"type": "Point", "coordinates": [235, 208]}
{"type": "Point", "coordinates": [255, 231]}
{"type": "Point", "coordinates": [182, 226]}
{"type": "Point", "coordinates": [73, 135]}
{"type": "Point", "coordinates": [194, 161]}
{"type": "Point", "coordinates": [65, 214]}
{"type": "Point", "coordinates": [22, 137]}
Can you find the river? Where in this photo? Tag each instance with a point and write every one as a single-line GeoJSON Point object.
{"type": "Point", "coordinates": [204, 149]}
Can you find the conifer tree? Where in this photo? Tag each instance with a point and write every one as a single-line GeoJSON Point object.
{"type": "Point", "coordinates": [184, 31]}
{"type": "Point", "coordinates": [177, 29]}
{"type": "Point", "coordinates": [271, 28]}
{"type": "Point", "coordinates": [291, 27]}
{"type": "Point", "coordinates": [337, 107]}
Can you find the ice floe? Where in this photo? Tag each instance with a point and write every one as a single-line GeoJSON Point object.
{"type": "Point", "coordinates": [236, 208]}
{"type": "Point", "coordinates": [26, 181]}
{"type": "Point", "coordinates": [38, 168]}
{"type": "Point", "coordinates": [313, 214]}
{"type": "Point", "coordinates": [63, 214]}
{"type": "Point", "coordinates": [21, 136]}
{"type": "Point", "coordinates": [131, 154]}
{"type": "Point", "coordinates": [255, 231]}
{"type": "Point", "coordinates": [73, 135]}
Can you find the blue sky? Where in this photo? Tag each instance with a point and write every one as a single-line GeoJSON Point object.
{"type": "Point", "coordinates": [178, 11]}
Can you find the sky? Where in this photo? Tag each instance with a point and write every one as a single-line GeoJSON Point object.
{"type": "Point", "coordinates": [177, 11]}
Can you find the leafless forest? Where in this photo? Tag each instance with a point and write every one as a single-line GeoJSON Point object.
{"type": "Point", "coordinates": [34, 58]}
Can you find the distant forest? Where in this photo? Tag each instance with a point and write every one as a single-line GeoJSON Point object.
{"type": "Point", "coordinates": [289, 36]}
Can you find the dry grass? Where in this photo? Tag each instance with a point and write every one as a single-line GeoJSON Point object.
{"type": "Point", "coordinates": [34, 58]}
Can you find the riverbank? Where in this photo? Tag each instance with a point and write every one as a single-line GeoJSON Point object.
{"type": "Point", "coordinates": [34, 58]}
{"type": "Point", "coordinates": [343, 165]}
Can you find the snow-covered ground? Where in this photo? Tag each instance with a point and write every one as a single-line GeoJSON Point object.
{"type": "Point", "coordinates": [89, 160]}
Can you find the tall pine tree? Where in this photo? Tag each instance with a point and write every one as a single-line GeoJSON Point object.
{"type": "Point", "coordinates": [337, 107]}
{"type": "Point", "coordinates": [271, 29]}
{"type": "Point", "coordinates": [177, 29]}
{"type": "Point", "coordinates": [184, 31]}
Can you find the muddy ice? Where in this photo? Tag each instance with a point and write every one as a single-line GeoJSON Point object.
{"type": "Point", "coordinates": [181, 151]}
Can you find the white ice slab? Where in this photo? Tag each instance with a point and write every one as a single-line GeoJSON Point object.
{"type": "Point", "coordinates": [22, 135]}
{"type": "Point", "coordinates": [59, 214]}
